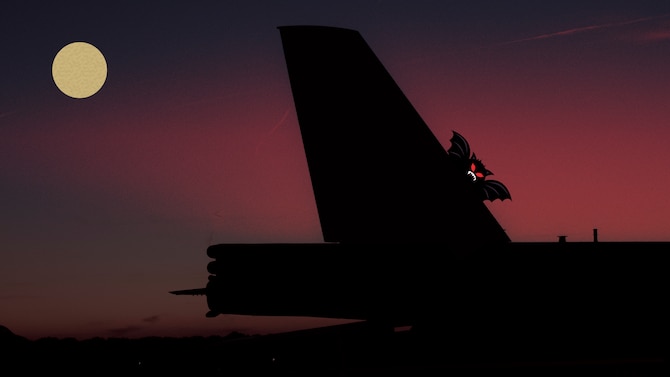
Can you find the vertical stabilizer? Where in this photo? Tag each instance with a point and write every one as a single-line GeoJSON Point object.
{"type": "Point", "coordinates": [379, 174]}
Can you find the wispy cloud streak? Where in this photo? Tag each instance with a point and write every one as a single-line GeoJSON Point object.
{"type": "Point", "coordinates": [583, 29]}
{"type": "Point", "coordinates": [654, 36]}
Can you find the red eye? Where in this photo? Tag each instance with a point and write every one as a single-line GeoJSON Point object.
{"type": "Point", "coordinates": [479, 175]}
{"type": "Point", "coordinates": [472, 167]}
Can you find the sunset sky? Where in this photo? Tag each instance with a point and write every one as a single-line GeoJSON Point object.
{"type": "Point", "coordinates": [109, 202]}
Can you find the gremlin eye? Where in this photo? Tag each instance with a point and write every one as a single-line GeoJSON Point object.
{"type": "Point", "coordinates": [479, 174]}
{"type": "Point", "coordinates": [473, 167]}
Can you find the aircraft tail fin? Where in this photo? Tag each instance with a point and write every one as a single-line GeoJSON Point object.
{"type": "Point", "coordinates": [378, 172]}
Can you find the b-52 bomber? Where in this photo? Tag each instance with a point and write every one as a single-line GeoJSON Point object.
{"type": "Point", "coordinates": [410, 243]}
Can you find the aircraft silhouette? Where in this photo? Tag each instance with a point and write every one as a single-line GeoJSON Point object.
{"type": "Point", "coordinates": [409, 241]}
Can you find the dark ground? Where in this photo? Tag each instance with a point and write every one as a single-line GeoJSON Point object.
{"type": "Point", "coordinates": [360, 349]}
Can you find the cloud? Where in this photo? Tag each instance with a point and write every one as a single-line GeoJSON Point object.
{"type": "Point", "coordinates": [583, 29]}
{"type": "Point", "coordinates": [124, 331]}
{"type": "Point", "coordinates": [152, 319]}
{"type": "Point", "coordinates": [655, 36]}
{"type": "Point", "coordinates": [130, 329]}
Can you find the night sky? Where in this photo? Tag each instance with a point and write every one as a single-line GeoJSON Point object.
{"type": "Point", "coordinates": [109, 202]}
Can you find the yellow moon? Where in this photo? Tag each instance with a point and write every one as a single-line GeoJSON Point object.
{"type": "Point", "coordinates": [79, 70]}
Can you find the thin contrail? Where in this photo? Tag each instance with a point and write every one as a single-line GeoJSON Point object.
{"type": "Point", "coordinates": [281, 121]}
{"type": "Point", "coordinates": [582, 29]}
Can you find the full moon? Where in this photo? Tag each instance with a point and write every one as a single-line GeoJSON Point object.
{"type": "Point", "coordinates": [79, 70]}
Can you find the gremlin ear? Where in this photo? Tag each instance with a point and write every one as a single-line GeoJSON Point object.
{"type": "Point", "coordinates": [487, 172]}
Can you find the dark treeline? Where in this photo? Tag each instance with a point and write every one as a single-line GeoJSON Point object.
{"type": "Point", "coordinates": [330, 351]}
{"type": "Point", "coordinates": [150, 356]}
{"type": "Point", "coordinates": [344, 350]}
